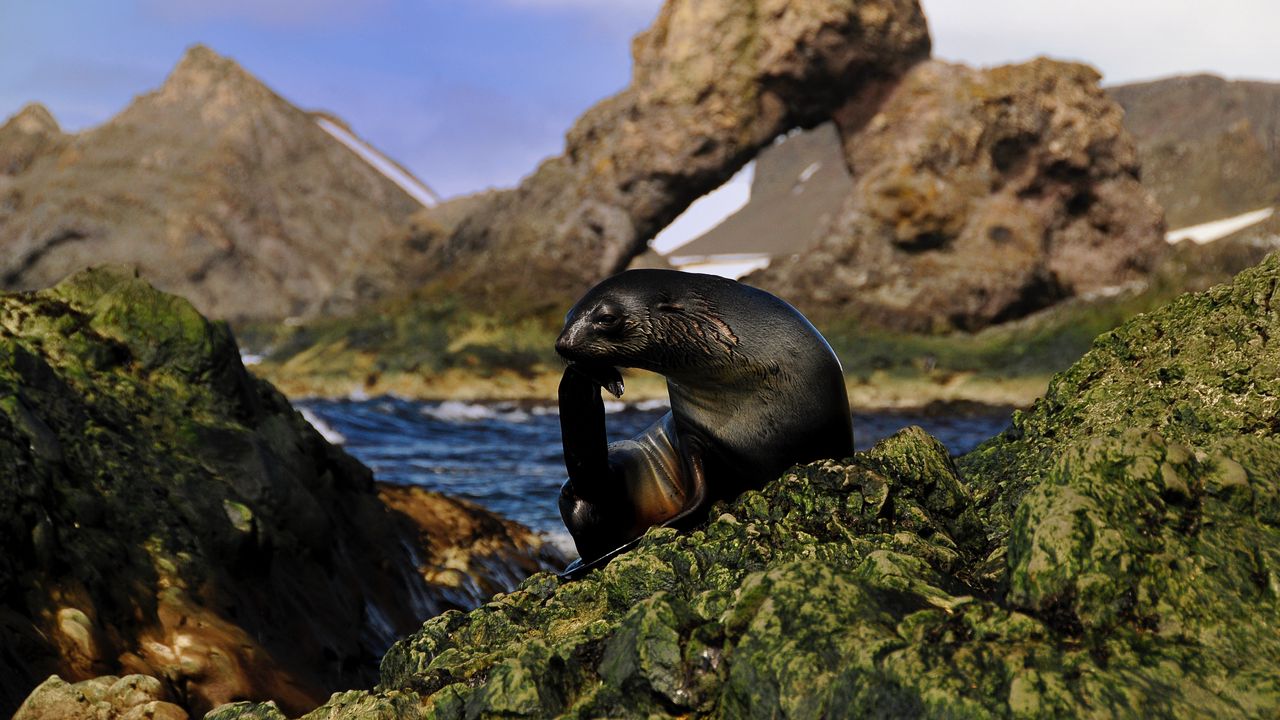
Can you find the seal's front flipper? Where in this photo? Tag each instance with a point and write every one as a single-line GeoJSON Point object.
{"type": "Point", "coordinates": [593, 501]}
{"type": "Point", "coordinates": [582, 432]}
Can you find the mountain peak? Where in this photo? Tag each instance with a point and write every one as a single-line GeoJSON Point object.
{"type": "Point", "coordinates": [34, 118]}
{"type": "Point", "coordinates": [202, 74]}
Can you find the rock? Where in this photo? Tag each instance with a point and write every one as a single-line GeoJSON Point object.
{"type": "Point", "coordinates": [165, 513]}
{"type": "Point", "coordinates": [979, 196]}
{"type": "Point", "coordinates": [1115, 553]}
{"type": "Point", "coordinates": [134, 697]}
{"type": "Point", "coordinates": [216, 188]}
{"type": "Point", "coordinates": [1209, 147]}
{"type": "Point", "coordinates": [466, 553]}
{"type": "Point", "coordinates": [713, 82]}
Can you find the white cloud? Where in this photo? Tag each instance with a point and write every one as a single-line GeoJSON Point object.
{"type": "Point", "coordinates": [1127, 40]}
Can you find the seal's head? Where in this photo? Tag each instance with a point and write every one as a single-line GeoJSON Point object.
{"type": "Point", "coordinates": [659, 320]}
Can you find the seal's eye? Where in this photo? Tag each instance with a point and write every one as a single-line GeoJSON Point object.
{"type": "Point", "coordinates": [606, 320]}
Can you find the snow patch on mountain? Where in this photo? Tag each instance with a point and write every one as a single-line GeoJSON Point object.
{"type": "Point", "coordinates": [415, 188]}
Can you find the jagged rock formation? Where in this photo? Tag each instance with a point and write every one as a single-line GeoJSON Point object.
{"type": "Point", "coordinates": [215, 187]}
{"type": "Point", "coordinates": [713, 82]}
{"type": "Point", "coordinates": [1210, 148]}
{"type": "Point", "coordinates": [1115, 552]}
{"type": "Point", "coordinates": [165, 513]}
{"type": "Point", "coordinates": [979, 196]}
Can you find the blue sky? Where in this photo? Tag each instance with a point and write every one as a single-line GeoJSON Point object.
{"type": "Point", "coordinates": [473, 93]}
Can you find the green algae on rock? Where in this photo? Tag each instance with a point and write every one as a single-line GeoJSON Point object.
{"type": "Point", "coordinates": [1115, 554]}
{"type": "Point", "coordinates": [163, 512]}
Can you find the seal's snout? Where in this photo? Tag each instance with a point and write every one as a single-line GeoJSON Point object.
{"type": "Point", "coordinates": [566, 343]}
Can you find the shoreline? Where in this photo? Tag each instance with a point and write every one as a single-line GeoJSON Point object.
{"type": "Point", "coordinates": [955, 394]}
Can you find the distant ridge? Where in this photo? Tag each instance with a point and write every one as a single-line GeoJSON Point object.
{"type": "Point", "coordinates": [218, 189]}
{"type": "Point", "coordinates": [1209, 147]}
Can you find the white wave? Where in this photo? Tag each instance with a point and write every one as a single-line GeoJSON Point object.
{"type": "Point", "coordinates": [650, 405]}
{"type": "Point", "coordinates": [325, 429]}
{"type": "Point", "coordinates": [562, 541]}
{"type": "Point", "coordinates": [459, 411]}
{"type": "Point", "coordinates": [610, 406]}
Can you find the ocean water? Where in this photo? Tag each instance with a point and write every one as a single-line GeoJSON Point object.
{"type": "Point", "coordinates": [507, 456]}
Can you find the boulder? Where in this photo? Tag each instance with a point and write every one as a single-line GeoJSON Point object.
{"type": "Point", "coordinates": [713, 82]}
{"type": "Point", "coordinates": [165, 513]}
{"type": "Point", "coordinates": [979, 196]}
{"type": "Point", "coordinates": [1116, 552]}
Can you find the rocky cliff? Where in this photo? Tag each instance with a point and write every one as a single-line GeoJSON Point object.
{"type": "Point", "coordinates": [1210, 147]}
{"type": "Point", "coordinates": [713, 82]}
{"type": "Point", "coordinates": [979, 196]}
{"type": "Point", "coordinates": [215, 187]}
{"type": "Point", "coordinates": [164, 513]}
{"type": "Point", "coordinates": [1115, 552]}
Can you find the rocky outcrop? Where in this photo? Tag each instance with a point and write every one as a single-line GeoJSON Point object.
{"type": "Point", "coordinates": [216, 188]}
{"type": "Point", "coordinates": [1210, 148]}
{"type": "Point", "coordinates": [713, 82]}
{"type": "Point", "coordinates": [979, 196]}
{"type": "Point", "coordinates": [164, 513]}
{"type": "Point", "coordinates": [1116, 552]}
{"type": "Point", "coordinates": [134, 697]}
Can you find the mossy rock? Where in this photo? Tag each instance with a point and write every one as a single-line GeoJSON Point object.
{"type": "Point", "coordinates": [164, 512]}
{"type": "Point", "coordinates": [1116, 553]}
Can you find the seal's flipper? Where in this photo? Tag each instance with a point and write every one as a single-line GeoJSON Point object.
{"type": "Point", "coordinates": [582, 432]}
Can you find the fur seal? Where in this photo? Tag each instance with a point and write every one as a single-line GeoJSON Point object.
{"type": "Point", "coordinates": [754, 389]}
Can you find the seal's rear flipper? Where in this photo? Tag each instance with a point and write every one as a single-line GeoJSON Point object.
{"type": "Point", "coordinates": [578, 569]}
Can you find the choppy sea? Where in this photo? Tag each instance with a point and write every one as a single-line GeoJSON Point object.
{"type": "Point", "coordinates": [507, 456]}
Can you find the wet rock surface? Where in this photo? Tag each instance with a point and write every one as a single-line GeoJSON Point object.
{"type": "Point", "coordinates": [1115, 553]}
{"type": "Point", "coordinates": [713, 82]}
{"type": "Point", "coordinates": [979, 196]}
{"type": "Point", "coordinates": [165, 513]}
